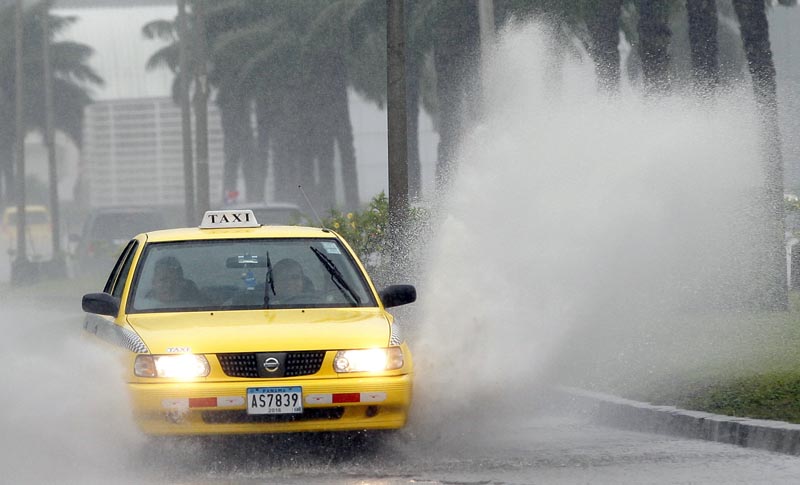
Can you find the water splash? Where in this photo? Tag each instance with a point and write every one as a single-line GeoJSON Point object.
{"type": "Point", "coordinates": [66, 416]}
{"type": "Point", "coordinates": [570, 210]}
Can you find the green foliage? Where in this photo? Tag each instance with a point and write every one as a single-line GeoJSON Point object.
{"type": "Point", "coordinates": [791, 203]}
{"type": "Point", "coordinates": [733, 363]}
{"type": "Point", "coordinates": [763, 396]}
{"type": "Point", "coordinates": [365, 231]}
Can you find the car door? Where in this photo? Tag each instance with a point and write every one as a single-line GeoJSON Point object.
{"type": "Point", "coordinates": [105, 327]}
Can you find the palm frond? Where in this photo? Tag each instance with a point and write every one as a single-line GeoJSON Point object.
{"type": "Point", "coordinates": [70, 59]}
{"type": "Point", "coordinates": [241, 42]}
{"type": "Point", "coordinates": [167, 57]}
{"type": "Point", "coordinates": [161, 29]}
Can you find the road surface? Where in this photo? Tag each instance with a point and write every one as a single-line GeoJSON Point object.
{"type": "Point", "coordinates": [65, 421]}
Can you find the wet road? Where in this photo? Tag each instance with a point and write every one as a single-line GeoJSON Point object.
{"type": "Point", "coordinates": [65, 421]}
{"type": "Point", "coordinates": [546, 450]}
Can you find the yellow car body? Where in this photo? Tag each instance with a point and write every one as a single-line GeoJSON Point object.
{"type": "Point", "coordinates": [340, 363]}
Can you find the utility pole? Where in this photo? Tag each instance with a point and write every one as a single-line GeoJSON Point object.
{"type": "Point", "coordinates": [57, 265]}
{"type": "Point", "coordinates": [201, 108]}
{"type": "Point", "coordinates": [20, 269]}
{"type": "Point", "coordinates": [186, 115]}
{"type": "Point", "coordinates": [397, 121]}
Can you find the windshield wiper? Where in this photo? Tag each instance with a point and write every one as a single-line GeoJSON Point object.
{"type": "Point", "coordinates": [268, 283]}
{"type": "Point", "coordinates": [337, 278]}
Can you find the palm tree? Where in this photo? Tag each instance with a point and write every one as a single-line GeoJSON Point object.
{"type": "Point", "coordinates": [72, 83]}
{"type": "Point", "coordinates": [276, 59]}
{"type": "Point", "coordinates": [755, 38]}
{"type": "Point", "coordinates": [702, 17]}
{"type": "Point", "coordinates": [603, 25]}
{"type": "Point", "coordinates": [455, 32]}
{"type": "Point", "coordinates": [654, 38]}
{"type": "Point", "coordinates": [366, 64]}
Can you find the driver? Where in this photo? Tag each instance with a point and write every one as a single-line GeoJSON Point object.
{"type": "Point", "coordinates": [288, 278]}
{"type": "Point", "coordinates": [169, 285]}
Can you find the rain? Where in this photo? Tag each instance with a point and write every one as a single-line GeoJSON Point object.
{"type": "Point", "coordinates": [564, 228]}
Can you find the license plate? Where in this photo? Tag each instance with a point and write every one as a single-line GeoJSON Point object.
{"type": "Point", "coordinates": [275, 400]}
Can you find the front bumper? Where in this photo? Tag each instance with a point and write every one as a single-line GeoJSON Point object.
{"type": "Point", "coordinates": [330, 404]}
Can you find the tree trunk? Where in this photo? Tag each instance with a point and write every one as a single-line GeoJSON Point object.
{"type": "Point", "coordinates": [755, 38]}
{"type": "Point", "coordinates": [447, 104]}
{"type": "Point", "coordinates": [183, 85]}
{"type": "Point", "coordinates": [325, 153]}
{"type": "Point", "coordinates": [654, 38]}
{"type": "Point", "coordinates": [264, 116]}
{"type": "Point", "coordinates": [282, 161]}
{"type": "Point", "coordinates": [252, 166]}
{"type": "Point", "coordinates": [302, 157]}
{"type": "Point", "coordinates": [412, 67]}
{"type": "Point", "coordinates": [231, 146]}
{"type": "Point", "coordinates": [412, 130]}
{"type": "Point", "coordinates": [603, 26]}
{"type": "Point", "coordinates": [397, 123]}
{"type": "Point", "coordinates": [201, 92]}
{"type": "Point", "coordinates": [344, 136]}
{"type": "Point", "coordinates": [6, 170]}
{"type": "Point", "coordinates": [328, 103]}
{"type": "Point", "coordinates": [702, 17]}
{"type": "Point", "coordinates": [455, 39]}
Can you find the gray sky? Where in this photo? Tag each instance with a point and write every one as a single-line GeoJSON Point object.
{"type": "Point", "coordinates": [121, 50]}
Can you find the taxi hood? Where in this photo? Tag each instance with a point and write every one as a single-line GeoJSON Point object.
{"type": "Point", "coordinates": [262, 330]}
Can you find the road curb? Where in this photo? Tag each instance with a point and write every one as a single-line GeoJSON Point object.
{"type": "Point", "coordinates": [777, 436]}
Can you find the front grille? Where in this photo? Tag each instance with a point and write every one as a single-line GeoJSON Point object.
{"type": "Point", "coordinates": [303, 363]}
{"type": "Point", "coordinates": [239, 365]}
{"type": "Point", "coordinates": [241, 416]}
{"type": "Point", "coordinates": [296, 364]}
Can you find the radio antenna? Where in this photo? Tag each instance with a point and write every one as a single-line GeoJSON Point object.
{"type": "Point", "coordinates": [300, 187]}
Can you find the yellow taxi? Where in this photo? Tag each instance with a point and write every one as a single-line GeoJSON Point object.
{"type": "Point", "coordinates": [38, 232]}
{"type": "Point", "coordinates": [234, 327]}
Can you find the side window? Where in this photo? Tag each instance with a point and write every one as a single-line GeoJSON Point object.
{"type": "Point", "coordinates": [124, 258]}
{"type": "Point", "coordinates": [119, 285]}
{"type": "Point", "coordinates": [123, 274]}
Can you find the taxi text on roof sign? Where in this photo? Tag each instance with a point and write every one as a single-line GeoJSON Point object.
{"type": "Point", "coordinates": [229, 218]}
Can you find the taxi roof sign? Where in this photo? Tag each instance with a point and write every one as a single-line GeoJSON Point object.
{"type": "Point", "coordinates": [229, 218]}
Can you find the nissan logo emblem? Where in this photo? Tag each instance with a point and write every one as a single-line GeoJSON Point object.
{"type": "Point", "coordinates": [271, 364]}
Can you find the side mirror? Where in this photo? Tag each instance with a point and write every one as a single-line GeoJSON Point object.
{"type": "Point", "coordinates": [101, 304]}
{"type": "Point", "coordinates": [396, 295]}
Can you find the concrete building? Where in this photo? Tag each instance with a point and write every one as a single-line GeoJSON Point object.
{"type": "Point", "coordinates": [133, 153]}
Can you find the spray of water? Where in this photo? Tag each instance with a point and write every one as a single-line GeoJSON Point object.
{"type": "Point", "coordinates": [65, 411]}
{"type": "Point", "coordinates": [570, 212]}
{"type": "Point", "coordinates": [573, 211]}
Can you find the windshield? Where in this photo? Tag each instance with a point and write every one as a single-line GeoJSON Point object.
{"type": "Point", "coordinates": [248, 274]}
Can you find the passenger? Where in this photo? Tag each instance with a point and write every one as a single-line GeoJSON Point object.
{"type": "Point", "coordinates": [288, 278]}
{"type": "Point", "coordinates": [169, 285]}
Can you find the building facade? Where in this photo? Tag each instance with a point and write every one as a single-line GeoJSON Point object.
{"type": "Point", "coordinates": [133, 153]}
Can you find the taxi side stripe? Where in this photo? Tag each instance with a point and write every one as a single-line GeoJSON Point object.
{"type": "Point", "coordinates": [114, 334]}
{"type": "Point", "coordinates": [396, 338]}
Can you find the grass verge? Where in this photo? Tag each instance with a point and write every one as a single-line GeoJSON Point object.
{"type": "Point", "coordinates": [737, 364]}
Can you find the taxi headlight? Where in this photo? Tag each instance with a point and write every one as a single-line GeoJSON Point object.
{"type": "Point", "coordinates": [368, 360]}
{"type": "Point", "coordinates": [180, 366]}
